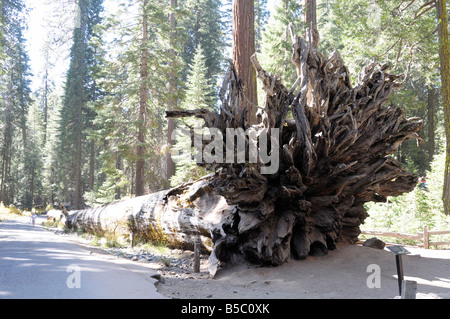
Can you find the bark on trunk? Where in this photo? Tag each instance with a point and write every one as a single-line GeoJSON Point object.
{"type": "Point", "coordinates": [432, 103]}
{"type": "Point", "coordinates": [243, 49]}
{"type": "Point", "coordinates": [310, 13]}
{"type": "Point", "coordinates": [170, 169]}
{"type": "Point", "coordinates": [444, 55]}
{"type": "Point", "coordinates": [180, 217]}
{"type": "Point", "coordinates": [143, 96]}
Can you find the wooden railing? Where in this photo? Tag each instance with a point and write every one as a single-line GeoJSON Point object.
{"type": "Point", "coordinates": [424, 236]}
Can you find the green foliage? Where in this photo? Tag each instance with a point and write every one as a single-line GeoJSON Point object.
{"type": "Point", "coordinates": [115, 127]}
{"type": "Point", "coordinates": [198, 95]}
{"type": "Point", "coordinates": [76, 117]}
{"type": "Point", "coordinates": [202, 25]}
{"type": "Point", "coordinates": [276, 48]}
{"type": "Point", "coordinates": [8, 212]}
{"type": "Point", "coordinates": [32, 170]}
{"type": "Point", "coordinates": [261, 17]}
{"type": "Point", "coordinates": [410, 212]}
{"type": "Point", "coordinates": [15, 99]}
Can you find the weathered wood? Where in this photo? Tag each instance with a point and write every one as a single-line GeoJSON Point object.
{"type": "Point", "coordinates": [179, 217]}
{"type": "Point", "coordinates": [197, 257]}
{"type": "Point", "coordinates": [439, 243]}
{"type": "Point", "coordinates": [333, 158]}
{"type": "Point", "coordinates": [439, 232]}
{"type": "Point", "coordinates": [392, 234]}
{"type": "Point", "coordinates": [426, 238]}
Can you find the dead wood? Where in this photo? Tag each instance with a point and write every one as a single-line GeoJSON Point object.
{"type": "Point", "coordinates": [333, 158]}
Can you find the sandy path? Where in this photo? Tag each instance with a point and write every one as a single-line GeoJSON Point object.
{"type": "Point", "coordinates": [343, 273]}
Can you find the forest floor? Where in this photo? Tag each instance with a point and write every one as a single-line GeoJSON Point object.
{"type": "Point", "coordinates": [349, 272]}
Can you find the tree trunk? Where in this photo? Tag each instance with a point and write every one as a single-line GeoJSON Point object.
{"type": "Point", "coordinates": [170, 169]}
{"type": "Point", "coordinates": [79, 105]}
{"type": "Point", "coordinates": [310, 13]}
{"type": "Point", "coordinates": [7, 142]}
{"type": "Point", "coordinates": [45, 102]}
{"type": "Point", "coordinates": [178, 217]}
{"type": "Point", "coordinates": [444, 55]}
{"type": "Point", "coordinates": [243, 49]}
{"type": "Point", "coordinates": [432, 104]}
{"type": "Point", "coordinates": [77, 200]}
{"type": "Point", "coordinates": [143, 96]}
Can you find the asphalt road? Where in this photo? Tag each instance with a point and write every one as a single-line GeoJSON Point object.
{"type": "Point", "coordinates": [37, 264]}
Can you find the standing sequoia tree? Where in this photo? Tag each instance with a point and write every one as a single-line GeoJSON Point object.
{"type": "Point", "coordinates": [444, 56]}
{"type": "Point", "coordinates": [243, 49]}
{"type": "Point", "coordinates": [332, 157]}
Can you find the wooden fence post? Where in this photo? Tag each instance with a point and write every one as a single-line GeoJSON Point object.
{"type": "Point", "coordinates": [426, 237]}
{"type": "Point", "coordinates": [409, 289]}
{"type": "Point", "coordinates": [197, 257]}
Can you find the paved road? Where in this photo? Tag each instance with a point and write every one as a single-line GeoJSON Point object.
{"type": "Point", "coordinates": [35, 264]}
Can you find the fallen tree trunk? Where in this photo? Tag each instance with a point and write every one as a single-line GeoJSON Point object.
{"type": "Point", "coordinates": [304, 195]}
{"type": "Point", "coordinates": [179, 217]}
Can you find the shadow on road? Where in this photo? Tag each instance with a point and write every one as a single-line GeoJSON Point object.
{"type": "Point", "coordinates": [35, 263]}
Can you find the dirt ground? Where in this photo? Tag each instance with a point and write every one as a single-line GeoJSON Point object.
{"type": "Point", "coordinates": [343, 273]}
{"type": "Point", "coordinates": [349, 272]}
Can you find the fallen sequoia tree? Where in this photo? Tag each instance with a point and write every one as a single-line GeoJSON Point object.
{"type": "Point", "coordinates": [332, 156]}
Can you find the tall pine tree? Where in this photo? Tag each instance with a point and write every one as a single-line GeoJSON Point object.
{"type": "Point", "coordinates": [15, 98]}
{"type": "Point", "coordinates": [198, 95]}
{"type": "Point", "coordinates": [140, 51]}
{"type": "Point", "coordinates": [75, 116]}
{"type": "Point", "coordinates": [204, 26]}
{"type": "Point", "coordinates": [276, 50]}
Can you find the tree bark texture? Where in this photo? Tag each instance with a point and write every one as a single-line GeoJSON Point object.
{"type": "Point", "coordinates": [180, 217]}
{"type": "Point", "coordinates": [170, 169]}
{"type": "Point", "coordinates": [444, 55]}
{"type": "Point", "coordinates": [243, 49]}
{"type": "Point", "coordinates": [333, 158]}
{"type": "Point", "coordinates": [432, 104]}
{"type": "Point", "coordinates": [310, 13]}
{"type": "Point", "coordinates": [143, 96]}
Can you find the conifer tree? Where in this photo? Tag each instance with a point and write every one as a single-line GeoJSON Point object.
{"type": "Point", "coordinates": [198, 95]}
{"type": "Point", "coordinates": [124, 111]}
{"type": "Point", "coordinates": [75, 116]}
{"type": "Point", "coordinates": [276, 51]}
{"type": "Point", "coordinates": [204, 26]}
{"type": "Point", "coordinates": [15, 97]}
{"type": "Point", "coordinates": [32, 171]}
{"type": "Point", "coordinates": [261, 16]}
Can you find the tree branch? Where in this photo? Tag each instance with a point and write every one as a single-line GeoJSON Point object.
{"type": "Point", "coordinates": [431, 5]}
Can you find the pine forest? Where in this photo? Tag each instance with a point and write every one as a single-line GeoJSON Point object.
{"type": "Point", "coordinates": [92, 91]}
